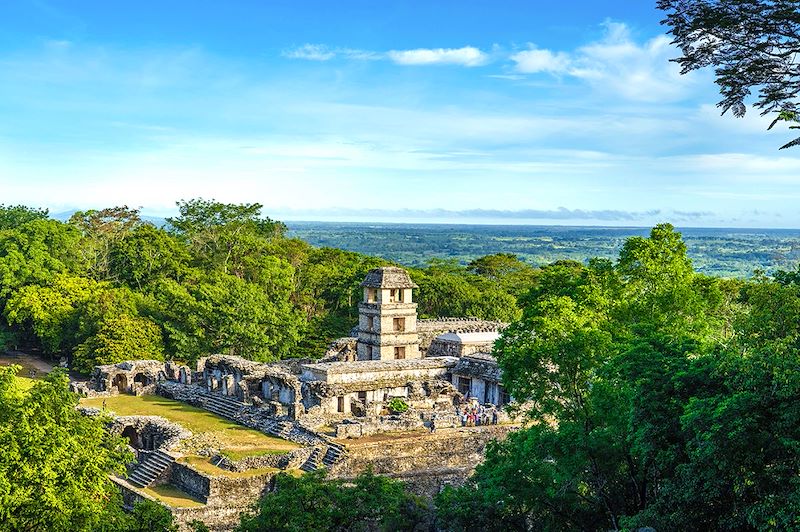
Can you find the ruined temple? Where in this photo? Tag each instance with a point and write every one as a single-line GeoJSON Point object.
{"type": "Point", "coordinates": [331, 406]}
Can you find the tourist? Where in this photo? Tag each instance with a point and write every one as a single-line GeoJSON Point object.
{"type": "Point", "coordinates": [494, 416]}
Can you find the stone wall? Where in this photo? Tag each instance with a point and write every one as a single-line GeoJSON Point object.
{"type": "Point", "coordinates": [190, 480]}
{"type": "Point", "coordinates": [220, 490]}
{"type": "Point", "coordinates": [455, 452]}
{"type": "Point", "coordinates": [428, 329]}
{"type": "Point", "coordinates": [378, 425]}
{"type": "Point", "coordinates": [218, 518]}
{"type": "Point", "coordinates": [292, 459]}
{"type": "Point", "coordinates": [149, 432]}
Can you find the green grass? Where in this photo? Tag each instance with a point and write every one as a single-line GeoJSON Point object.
{"type": "Point", "coordinates": [173, 496]}
{"type": "Point", "coordinates": [238, 455]}
{"type": "Point", "coordinates": [232, 436]}
{"type": "Point", "coordinates": [204, 465]}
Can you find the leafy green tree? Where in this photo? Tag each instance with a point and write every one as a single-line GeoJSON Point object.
{"type": "Point", "coordinates": [120, 338]}
{"type": "Point", "coordinates": [327, 291]}
{"type": "Point", "coordinates": [606, 360]}
{"type": "Point", "coordinates": [55, 461]}
{"type": "Point", "coordinates": [224, 236]}
{"type": "Point", "coordinates": [35, 251]}
{"type": "Point", "coordinates": [13, 216]}
{"type": "Point", "coordinates": [149, 516]}
{"type": "Point", "coordinates": [52, 311]}
{"type": "Point", "coordinates": [146, 254]}
{"type": "Point", "coordinates": [223, 314]}
{"type": "Point", "coordinates": [447, 289]}
{"type": "Point", "coordinates": [101, 229]}
{"type": "Point", "coordinates": [751, 44]}
{"type": "Point", "coordinates": [310, 502]}
{"type": "Point", "coordinates": [512, 274]}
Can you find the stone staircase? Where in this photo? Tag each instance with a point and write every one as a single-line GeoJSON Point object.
{"type": "Point", "coordinates": [326, 452]}
{"type": "Point", "coordinates": [150, 468]}
{"type": "Point", "coordinates": [224, 406]}
{"type": "Point", "coordinates": [334, 454]}
{"type": "Point", "coordinates": [323, 456]}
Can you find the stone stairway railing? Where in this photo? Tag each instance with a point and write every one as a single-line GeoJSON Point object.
{"type": "Point", "coordinates": [150, 468]}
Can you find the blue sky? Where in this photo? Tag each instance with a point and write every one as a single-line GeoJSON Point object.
{"type": "Point", "coordinates": [475, 112]}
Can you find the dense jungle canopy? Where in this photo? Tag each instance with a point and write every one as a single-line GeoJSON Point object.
{"type": "Point", "coordinates": [654, 395]}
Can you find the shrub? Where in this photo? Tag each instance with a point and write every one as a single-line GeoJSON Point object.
{"type": "Point", "coordinates": [397, 405]}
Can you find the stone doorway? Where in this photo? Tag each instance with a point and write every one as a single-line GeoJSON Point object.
{"type": "Point", "coordinates": [120, 382]}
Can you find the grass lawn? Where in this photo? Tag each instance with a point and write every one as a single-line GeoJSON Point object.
{"type": "Point", "coordinates": [238, 455]}
{"type": "Point", "coordinates": [205, 465]}
{"type": "Point", "coordinates": [233, 437]}
{"type": "Point", "coordinates": [173, 496]}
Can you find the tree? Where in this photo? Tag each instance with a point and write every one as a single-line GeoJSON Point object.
{"type": "Point", "coordinates": [218, 313]}
{"type": "Point", "coordinates": [35, 251]}
{"type": "Point", "coordinates": [751, 44]}
{"type": "Point", "coordinates": [120, 338]}
{"type": "Point", "coordinates": [53, 311]}
{"type": "Point", "coordinates": [507, 270]}
{"type": "Point", "coordinates": [149, 516]}
{"type": "Point", "coordinates": [310, 502]}
{"type": "Point", "coordinates": [225, 236]}
{"type": "Point", "coordinates": [101, 229]}
{"type": "Point", "coordinates": [13, 216]}
{"type": "Point", "coordinates": [145, 254]}
{"type": "Point", "coordinates": [55, 461]}
{"type": "Point", "coordinates": [607, 362]}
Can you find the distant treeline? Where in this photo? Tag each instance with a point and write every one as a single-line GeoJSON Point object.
{"type": "Point", "coordinates": [106, 286]}
{"type": "Point", "coordinates": [720, 252]}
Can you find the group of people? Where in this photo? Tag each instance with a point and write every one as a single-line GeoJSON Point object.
{"type": "Point", "coordinates": [471, 414]}
{"type": "Point", "coordinates": [475, 415]}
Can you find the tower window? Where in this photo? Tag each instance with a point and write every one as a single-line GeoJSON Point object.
{"type": "Point", "coordinates": [370, 323]}
{"type": "Point", "coordinates": [399, 353]}
{"type": "Point", "coordinates": [399, 324]}
{"type": "Point", "coordinates": [396, 295]}
{"type": "Point", "coordinates": [372, 295]}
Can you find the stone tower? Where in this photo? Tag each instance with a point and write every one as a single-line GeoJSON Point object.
{"type": "Point", "coordinates": [387, 318]}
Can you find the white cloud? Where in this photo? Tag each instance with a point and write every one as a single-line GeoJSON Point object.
{"type": "Point", "coordinates": [535, 60]}
{"type": "Point", "coordinates": [615, 64]}
{"type": "Point", "coordinates": [467, 56]}
{"type": "Point", "coordinates": [311, 52]}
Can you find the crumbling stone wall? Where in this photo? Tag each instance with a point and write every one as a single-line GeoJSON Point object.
{"type": "Point", "coordinates": [342, 350]}
{"type": "Point", "coordinates": [149, 432]}
{"type": "Point", "coordinates": [452, 453]}
{"type": "Point", "coordinates": [274, 385]}
{"type": "Point", "coordinates": [292, 459]}
{"type": "Point", "coordinates": [429, 329]}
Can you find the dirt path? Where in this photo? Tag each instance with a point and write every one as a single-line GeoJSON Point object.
{"type": "Point", "coordinates": [27, 362]}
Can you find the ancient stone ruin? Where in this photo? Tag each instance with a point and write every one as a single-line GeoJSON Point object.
{"type": "Point", "coordinates": [398, 377]}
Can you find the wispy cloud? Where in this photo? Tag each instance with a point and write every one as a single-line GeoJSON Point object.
{"type": "Point", "coordinates": [467, 56]}
{"type": "Point", "coordinates": [311, 52]}
{"type": "Point", "coordinates": [615, 64]}
{"type": "Point", "coordinates": [535, 60]}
